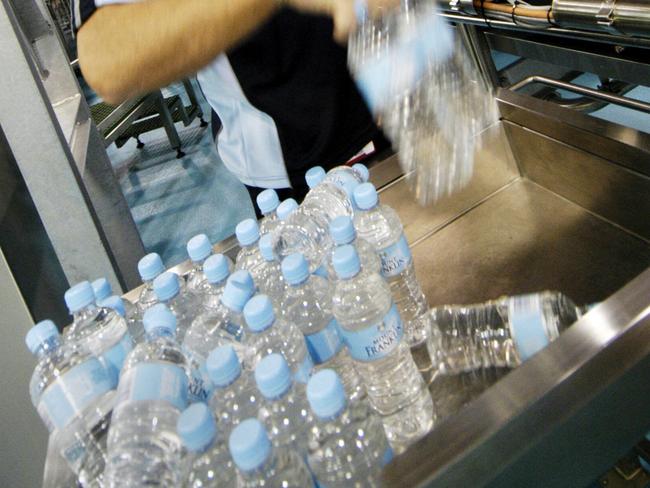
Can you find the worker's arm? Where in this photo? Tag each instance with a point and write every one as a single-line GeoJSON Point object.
{"type": "Point", "coordinates": [133, 48]}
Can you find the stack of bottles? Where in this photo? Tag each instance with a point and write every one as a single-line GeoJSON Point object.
{"type": "Point", "coordinates": [292, 365]}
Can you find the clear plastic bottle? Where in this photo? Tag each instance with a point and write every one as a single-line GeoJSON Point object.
{"type": "Point", "coordinates": [216, 269]}
{"type": "Point", "coordinates": [224, 324]}
{"type": "Point", "coordinates": [331, 193]}
{"type": "Point", "coordinates": [372, 330]}
{"type": "Point", "coordinates": [343, 232]}
{"type": "Point", "coordinates": [347, 444]}
{"type": "Point", "coordinates": [149, 267]}
{"type": "Point", "coordinates": [283, 408]}
{"type": "Point", "coordinates": [308, 305]}
{"type": "Point", "coordinates": [103, 290]}
{"type": "Point", "coordinates": [74, 396]}
{"type": "Point", "coordinates": [184, 305]}
{"type": "Point", "coordinates": [143, 445]}
{"type": "Point", "coordinates": [198, 249]}
{"type": "Point", "coordinates": [249, 257]}
{"type": "Point", "coordinates": [381, 227]}
{"type": "Point", "coordinates": [118, 305]}
{"type": "Point", "coordinates": [259, 464]}
{"type": "Point", "coordinates": [268, 202]}
{"type": "Point", "coordinates": [269, 335]}
{"type": "Point", "coordinates": [269, 278]}
{"type": "Point", "coordinates": [235, 396]}
{"type": "Point", "coordinates": [420, 82]}
{"type": "Point", "coordinates": [97, 330]}
{"type": "Point", "coordinates": [210, 465]}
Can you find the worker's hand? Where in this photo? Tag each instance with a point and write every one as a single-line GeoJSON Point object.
{"type": "Point", "coordinates": [341, 11]}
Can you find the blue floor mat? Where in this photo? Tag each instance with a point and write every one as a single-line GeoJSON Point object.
{"type": "Point", "coordinates": [172, 199]}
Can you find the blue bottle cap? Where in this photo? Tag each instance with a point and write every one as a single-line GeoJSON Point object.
{"type": "Point", "coordinates": [346, 261]}
{"type": "Point", "coordinates": [244, 279]}
{"type": "Point", "coordinates": [326, 394]}
{"type": "Point", "coordinates": [273, 376]}
{"type": "Point", "coordinates": [286, 208]}
{"type": "Point", "coordinates": [268, 201]}
{"type": "Point", "coordinates": [314, 176]}
{"type": "Point", "coordinates": [114, 303]}
{"type": "Point", "coordinates": [365, 196]}
{"type": "Point", "coordinates": [102, 289]}
{"type": "Point", "coordinates": [249, 445]}
{"type": "Point", "coordinates": [158, 316]}
{"type": "Point", "coordinates": [342, 230]}
{"type": "Point", "coordinates": [150, 266]}
{"type": "Point", "coordinates": [237, 291]}
{"type": "Point", "coordinates": [259, 313]}
{"type": "Point", "coordinates": [295, 268]}
{"type": "Point", "coordinates": [223, 366]}
{"type": "Point", "coordinates": [166, 286]}
{"type": "Point", "coordinates": [266, 247]}
{"type": "Point", "coordinates": [247, 232]}
{"type": "Point", "coordinates": [216, 268]}
{"type": "Point", "coordinates": [42, 332]}
{"type": "Point", "coordinates": [196, 427]}
{"type": "Point", "coordinates": [79, 296]}
{"type": "Point", "coordinates": [362, 171]}
{"type": "Point", "coordinates": [199, 248]}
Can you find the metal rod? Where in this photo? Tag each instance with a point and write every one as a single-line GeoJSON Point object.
{"type": "Point", "coordinates": [589, 92]}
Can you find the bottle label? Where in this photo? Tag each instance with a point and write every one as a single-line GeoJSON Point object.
{"type": "Point", "coordinates": [72, 392]}
{"type": "Point", "coordinates": [325, 344]}
{"type": "Point", "coordinates": [200, 387]}
{"type": "Point", "coordinates": [114, 358]}
{"type": "Point", "coordinates": [387, 457]}
{"type": "Point", "coordinates": [377, 341]}
{"type": "Point", "coordinates": [527, 326]}
{"type": "Point", "coordinates": [303, 372]}
{"type": "Point", "coordinates": [395, 258]}
{"type": "Point", "coordinates": [155, 381]}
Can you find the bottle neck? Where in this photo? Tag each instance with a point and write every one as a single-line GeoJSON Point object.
{"type": "Point", "coordinates": [262, 471]}
{"type": "Point", "coordinates": [85, 313]}
{"type": "Point", "coordinates": [161, 332]}
{"type": "Point", "coordinates": [48, 348]}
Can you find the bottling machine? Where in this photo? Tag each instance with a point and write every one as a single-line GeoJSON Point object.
{"type": "Point", "coordinates": [560, 200]}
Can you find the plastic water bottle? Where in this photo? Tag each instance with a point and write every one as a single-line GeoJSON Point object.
{"type": "Point", "coordinates": [343, 232]}
{"type": "Point", "coordinates": [198, 249]}
{"type": "Point", "coordinates": [210, 465]}
{"type": "Point", "coordinates": [269, 335]}
{"type": "Point", "coordinates": [249, 257]}
{"type": "Point", "coordinates": [498, 334]}
{"type": "Point", "coordinates": [330, 193]}
{"type": "Point", "coordinates": [373, 332]}
{"type": "Point", "coordinates": [143, 445]}
{"type": "Point", "coordinates": [216, 270]}
{"type": "Point", "coordinates": [149, 268]}
{"type": "Point", "coordinates": [308, 305]}
{"type": "Point", "coordinates": [128, 311]}
{"type": "Point", "coordinates": [420, 82]}
{"type": "Point", "coordinates": [285, 209]}
{"type": "Point", "coordinates": [74, 396]}
{"type": "Point", "coordinates": [283, 408]}
{"type": "Point", "coordinates": [224, 324]}
{"type": "Point", "coordinates": [235, 396]}
{"type": "Point", "coordinates": [268, 202]}
{"type": "Point", "coordinates": [347, 445]}
{"type": "Point", "coordinates": [183, 305]}
{"type": "Point", "coordinates": [381, 227]}
{"type": "Point", "coordinates": [269, 277]}
{"type": "Point", "coordinates": [260, 464]}
{"type": "Point", "coordinates": [97, 330]}
{"type": "Point", "coordinates": [102, 290]}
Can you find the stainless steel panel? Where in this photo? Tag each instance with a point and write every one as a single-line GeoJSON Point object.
{"type": "Point", "coordinates": [623, 145]}
{"type": "Point", "coordinates": [559, 419]}
{"type": "Point", "coordinates": [607, 189]}
{"type": "Point", "coordinates": [524, 239]}
{"type": "Point", "coordinates": [494, 167]}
